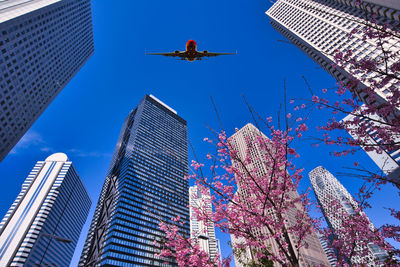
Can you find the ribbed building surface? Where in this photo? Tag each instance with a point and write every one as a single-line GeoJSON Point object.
{"type": "Point", "coordinates": [145, 183]}
{"type": "Point", "coordinates": [51, 208]}
{"type": "Point", "coordinates": [43, 44]}
{"type": "Point", "coordinates": [327, 189]}
{"type": "Point", "coordinates": [330, 253]}
{"type": "Point", "coordinates": [314, 255]}
{"type": "Point", "coordinates": [204, 232]}
{"type": "Point", "coordinates": [320, 27]}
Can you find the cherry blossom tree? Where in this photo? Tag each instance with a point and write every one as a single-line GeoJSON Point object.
{"type": "Point", "coordinates": [266, 211]}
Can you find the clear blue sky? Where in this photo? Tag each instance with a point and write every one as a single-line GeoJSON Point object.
{"type": "Point", "coordinates": [85, 119]}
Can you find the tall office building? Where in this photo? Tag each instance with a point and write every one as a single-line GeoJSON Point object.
{"type": "Point", "coordinates": [387, 160]}
{"type": "Point", "coordinates": [327, 189]}
{"type": "Point", "coordinates": [320, 27]}
{"type": "Point", "coordinates": [203, 231]}
{"type": "Point", "coordinates": [314, 255]}
{"type": "Point", "coordinates": [145, 183]}
{"type": "Point", "coordinates": [43, 44]}
{"type": "Point", "coordinates": [43, 225]}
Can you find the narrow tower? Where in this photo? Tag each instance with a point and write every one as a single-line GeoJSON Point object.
{"type": "Point", "coordinates": [203, 231]}
{"type": "Point", "coordinates": [43, 224]}
{"type": "Point", "coordinates": [145, 184]}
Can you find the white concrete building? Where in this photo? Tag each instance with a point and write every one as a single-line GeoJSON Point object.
{"type": "Point", "coordinates": [314, 255]}
{"type": "Point", "coordinates": [319, 27]}
{"type": "Point", "coordinates": [43, 44]}
{"type": "Point", "coordinates": [43, 225]}
{"type": "Point", "coordinates": [327, 189]}
{"type": "Point", "coordinates": [204, 232]}
{"type": "Point", "coordinates": [387, 161]}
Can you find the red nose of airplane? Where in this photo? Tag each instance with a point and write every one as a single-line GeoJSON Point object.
{"type": "Point", "coordinates": [191, 42]}
{"type": "Point", "coordinates": [191, 45]}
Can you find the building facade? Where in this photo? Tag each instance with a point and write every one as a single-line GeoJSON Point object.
{"type": "Point", "coordinates": [145, 184]}
{"type": "Point", "coordinates": [204, 232]}
{"type": "Point", "coordinates": [391, 6]}
{"type": "Point", "coordinates": [314, 255]}
{"type": "Point", "coordinates": [327, 189]}
{"type": "Point", "coordinates": [330, 253]}
{"type": "Point", "coordinates": [43, 44]}
{"type": "Point", "coordinates": [43, 225]}
{"type": "Point", "coordinates": [322, 27]}
{"type": "Point", "coordinates": [387, 160]}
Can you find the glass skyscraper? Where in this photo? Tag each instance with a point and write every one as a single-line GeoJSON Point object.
{"type": "Point", "coordinates": [145, 183]}
{"type": "Point", "coordinates": [43, 225]}
{"type": "Point", "coordinates": [43, 44]}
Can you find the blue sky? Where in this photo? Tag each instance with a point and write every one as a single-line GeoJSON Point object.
{"type": "Point", "coordinates": [85, 118]}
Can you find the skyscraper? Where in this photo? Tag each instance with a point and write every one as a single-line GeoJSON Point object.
{"type": "Point", "coordinates": [43, 225]}
{"type": "Point", "coordinates": [314, 255]}
{"type": "Point", "coordinates": [145, 183]}
{"type": "Point", "coordinates": [43, 44]}
{"type": "Point", "coordinates": [327, 189]}
{"type": "Point", "coordinates": [320, 27]}
{"type": "Point", "coordinates": [388, 160]}
{"type": "Point", "coordinates": [204, 232]}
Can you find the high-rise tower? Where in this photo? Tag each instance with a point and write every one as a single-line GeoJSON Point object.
{"type": "Point", "coordinates": [43, 224]}
{"type": "Point", "coordinates": [43, 44]}
{"type": "Point", "coordinates": [203, 231]}
{"type": "Point", "coordinates": [322, 27]}
{"type": "Point", "coordinates": [252, 158]}
{"type": "Point", "coordinates": [327, 190]}
{"type": "Point", "coordinates": [145, 183]}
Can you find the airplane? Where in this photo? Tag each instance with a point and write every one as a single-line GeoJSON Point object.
{"type": "Point", "coordinates": [191, 53]}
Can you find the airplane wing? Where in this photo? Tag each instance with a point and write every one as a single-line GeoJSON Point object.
{"type": "Point", "coordinates": [173, 54]}
{"type": "Point", "coordinates": [211, 54]}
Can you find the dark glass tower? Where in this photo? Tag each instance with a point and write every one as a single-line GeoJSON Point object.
{"type": "Point", "coordinates": [145, 183]}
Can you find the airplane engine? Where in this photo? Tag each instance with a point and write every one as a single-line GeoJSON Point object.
{"type": "Point", "coordinates": [176, 52]}
{"type": "Point", "coordinates": [205, 51]}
